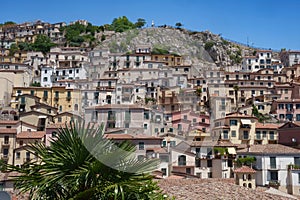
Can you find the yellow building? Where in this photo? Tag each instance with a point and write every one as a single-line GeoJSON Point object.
{"type": "Point", "coordinates": [245, 176]}
{"type": "Point", "coordinates": [22, 154]}
{"type": "Point", "coordinates": [168, 59]}
{"type": "Point", "coordinates": [60, 97]}
{"type": "Point", "coordinates": [7, 142]}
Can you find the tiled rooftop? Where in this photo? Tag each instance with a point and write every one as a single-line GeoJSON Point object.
{"type": "Point", "coordinates": [194, 189]}
{"type": "Point", "coordinates": [31, 134]}
{"type": "Point", "coordinates": [270, 149]}
{"type": "Point", "coordinates": [244, 169]}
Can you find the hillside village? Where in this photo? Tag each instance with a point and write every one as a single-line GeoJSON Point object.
{"type": "Point", "coordinates": [205, 114]}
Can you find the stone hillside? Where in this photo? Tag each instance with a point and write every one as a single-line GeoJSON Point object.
{"type": "Point", "coordinates": [199, 47]}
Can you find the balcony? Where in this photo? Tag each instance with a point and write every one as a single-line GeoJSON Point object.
{"type": "Point", "coordinates": [5, 156]}
{"type": "Point", "coordinates": [5, 143]}
{"type": "Point", "coordinates": [273, 167]}
{"type": "Point", "coordinates": [56, 98]}
{"type": "Point", "coordinates": [245, 138]}
{"type": "Point", "coordinates": [258, 137]}
{"type": "Point", "coordinates": [68, 98]}
{"type": "Point", "coordinates": [246, 126]}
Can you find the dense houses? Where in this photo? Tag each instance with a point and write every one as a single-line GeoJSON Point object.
{"type": "Point", "coordinates": [199, 120]}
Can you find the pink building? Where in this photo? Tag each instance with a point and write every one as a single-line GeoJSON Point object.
{"type": "Point", "coordinates": [186, 120]}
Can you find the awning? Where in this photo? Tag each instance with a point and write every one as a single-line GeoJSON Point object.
{"type": "Point", "coordinates": [231, 150]}
{"type": "Point", "coordinates": [246, 121]}
{"type": "Point", "coordinates": [42, 116]}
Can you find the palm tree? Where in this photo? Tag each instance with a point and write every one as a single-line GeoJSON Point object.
{"type": "Point", "coordinates": [81, 164]}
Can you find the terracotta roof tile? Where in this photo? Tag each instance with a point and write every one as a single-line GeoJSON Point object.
{"type": "Point", "coordinates": [267, 126]}
{"type": "Point", "coordinates": [31, 134]}
{"type": "Point", "coordinates": [9, 122]}
{"type": "Point", "coordinates": [8, 131]}
{"type": "Point", "coordinates": [269, 149]}
{"type": "Point", "coordinates": [244, 169]}
{"type": "Point", "coordinates": [131, 137]}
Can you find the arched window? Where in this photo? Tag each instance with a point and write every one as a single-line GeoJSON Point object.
{"type": "Point", "coordinates": [249, 177]}
{"type": "Point", "coordinates": [244, 177]}
{"type": "Point", "coordinates": [76, 107]}
{"type": "Point", "coordinates": [182, 160]}
{"type": "Point", "coordinates": [249, 185]}
{"type": "Point", "coordinates": [245, 185]}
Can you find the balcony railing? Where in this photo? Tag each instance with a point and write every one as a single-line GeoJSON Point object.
{"type": "Point", "coordinates": [5, 143]}
{"type": "Point", "coordinates": [274, 167]}
{"type": "Point", "coordinates": [5, 156]}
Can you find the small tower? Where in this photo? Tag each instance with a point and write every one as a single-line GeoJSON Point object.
{"type": "Point", "coordinates": [245, 176]}
{"type": "Point", "coordinates": [152, 24]}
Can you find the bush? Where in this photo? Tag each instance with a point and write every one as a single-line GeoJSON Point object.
{"type": "Point", "coordinates": [209, 45]}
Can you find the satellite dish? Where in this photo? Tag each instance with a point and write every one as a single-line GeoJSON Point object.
{"type": "Point", "coordinates": [4, 195]}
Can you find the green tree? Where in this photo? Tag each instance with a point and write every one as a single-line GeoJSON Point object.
{"type": "Point", "coordinates": [140, 23]}
{"type": "Point", "coordinates": [258, 115]}
{"type": "Point", "coordinates": [13, 49]}
{"type": "Point", "coordinates": [81, 164]}
{"type": "Point", "coordinates": [248, 160]}
{"type": "Point", "coordinates": [42, 43]}
{"type": "Point", "coordinates": [122, 24]}
{"type": "Point", "coordinates": [178, 25]}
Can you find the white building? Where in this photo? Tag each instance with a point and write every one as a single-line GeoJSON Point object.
{"type": "Point", "coordinates": [50, 75]}
{"type": "Point", "coordinates": [274, 164]}
{"type": "Point", "coordinates": [263, 59]}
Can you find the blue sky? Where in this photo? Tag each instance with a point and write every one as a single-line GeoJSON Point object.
{"type": "Point", "coordinates": [263, 23]}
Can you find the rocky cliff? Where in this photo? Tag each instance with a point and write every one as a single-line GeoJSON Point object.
{"type": "Point", "coordinates": [198, 47]}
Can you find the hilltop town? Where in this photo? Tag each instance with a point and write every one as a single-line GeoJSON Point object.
{"type": "Point", "coordinates": [206, 107]}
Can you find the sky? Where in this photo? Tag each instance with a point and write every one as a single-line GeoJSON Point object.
{"type": "Point", "coordinates": [262, 23]}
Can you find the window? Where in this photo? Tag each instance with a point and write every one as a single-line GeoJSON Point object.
{"type": "Point", "coordinates": [209, 174]}
{"type": "Point", "coordinates": [45, 94]}
{"type": "Point", "coordinates": [172, 143]}
{"type": "Point", "coordinates": [188, 170]}
{"type": "Point", "coordinates": [273, 175]}
{"type": "Point", "coordinates": [145, 126]}
{"type": "Point", "coordinates": [141, 145]}
{"type": "Point", "coordinates": [164, 171]}
{"type": "Point", "coordinates": [209, 163]}
{"type": "Point", "coordinates": [18, 155]}
{"type": "Point", "coordinates": [246, 135]}
{"type": "Point", "coordinates": [233, 133]}
{"type": "Point", "coordinates": [182, 160]}
{"type": "Point", "coordinates": [273, 162]}
{"type": "Point", "coordinates": [128, 115]}
{"type": "Point", "coordinates": [146, 115]}
{"type": "Point", "coordinates": [233, 122]}
{"type": "Point", "coordinates": [297, 117]}
{"type": "Point", "coordinates": [297, 161]}
{"type": "Point", "coordinates": [264, 133]}
{"type": "Point", "coordinates": [6, 139]}
{"type": "Point", "coordinates": [258, 137]}
{"type": "Point", "coordinates": [179, 127]}
{"type": "Point", "coordinates": [59, 119]}
{"type": "Point", "coordinates": [185, 117]}
{"type": "Point", "coordinates": [197, 162]}
{"type": "Point", "coordinates": [225, 134]}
